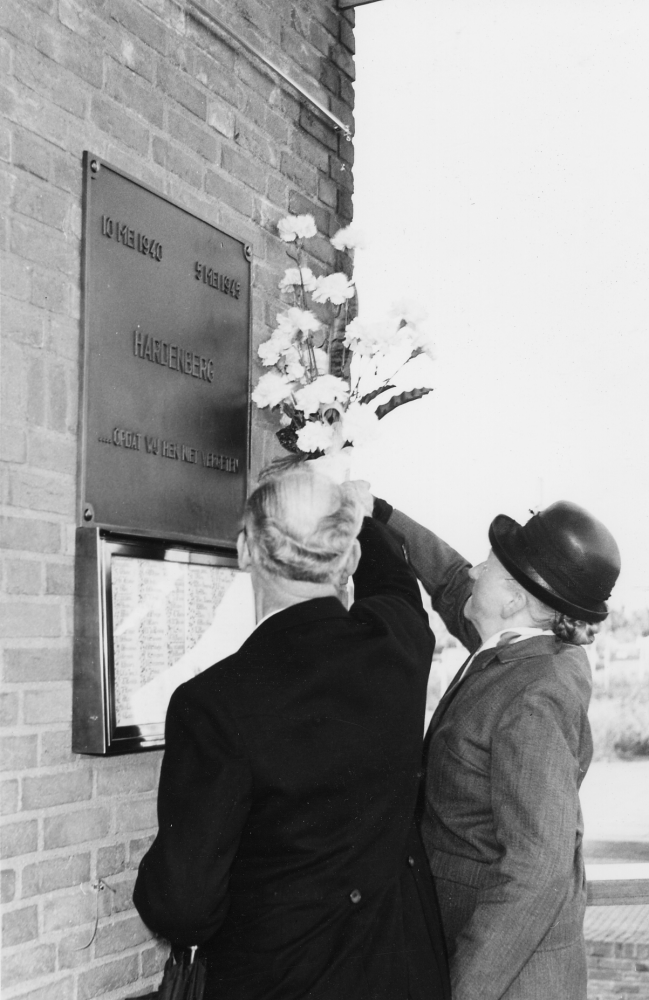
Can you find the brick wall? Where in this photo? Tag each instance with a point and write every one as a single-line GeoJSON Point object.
{"type": "Point", "coordinates": [617, 945]}
{"type": "Point", "coordinates": [148, 88]}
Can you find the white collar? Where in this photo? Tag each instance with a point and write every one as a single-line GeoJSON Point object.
{"type": "Point", "coordinates": [520, 632]}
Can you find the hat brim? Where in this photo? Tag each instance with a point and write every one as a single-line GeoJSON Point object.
{"type": "Point", "coordinates": [505, 536]}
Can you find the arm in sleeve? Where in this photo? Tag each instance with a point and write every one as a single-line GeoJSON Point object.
{"type": "Point", "coordinates": [383, 570]}
{"type": "Point", "coordinates": [181, 890]}
{"type": "Point", "coordinates": [535, 808]}
{"type": "Point", "coordinates": [443, 572]}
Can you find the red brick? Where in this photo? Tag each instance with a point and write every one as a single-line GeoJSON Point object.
{"type": "Point", "coordinates": [345, 205]}
{"type": "Point", "coordinates": [62, 46]}
{"type": "Point", "coordinates": [58, 396]}
{"type": "Point", "coordinates": [7, 885]}
{"type": "Point", "coordinates": [137, 849]}
{"type": "Point", "coordinates": [28, 963]}
{"type": "Point", "coordinates": [75, 827]}
{"type": "Point", "coordinates": [19, 926]}
{"type": "Point", "coordinates": [347, 36]}
{"type": "Point", "coordinates": [57, 789]}
{"type": "Point", "coordinates": [301, 51]}
{"type": "Point", "coordinates": [9, 792]}
{"type": "Point", "coordinates": [50, 289]}
{"type": "Point", "coordinates": [193, 136]}
{"type": "Point", "coordinates": [122, 898]}
{"type": "Point", "coordinates": [59, 578]}
{"type": "Point", "coordinates": [42, 491]}
{"type": "Point", "coordinates": [9, 704]}
{"type": "Point", "coordinates": [131, 779]}
{"type": "Point", "coordinates": [327, 192]}
{"type": "Point", "coordinates": [73, 909]}
{"type": "Point", "coordinates": [249, 138]}
{"type": "Point", "coordinates": [38, 243]}
{"type": "Point", "coordinates": [277, 192]}
{"type": "Point", "coordinates": [48, 704]}
{"type": "Point", "coordinates": [138, 815]}
{"type": "Point", "coordinates": [177, 162]}
{"type": "Point", "coordinates": [22, 322]}
{"type": "Point", "coordinates": [343, 60]}
{"type": "Point", "coordinates": [235, 195]}
{"type": "Point", "coordinates": [347, 92]}
{"type": "Point", "coordinates": [43, 664]}
{"type": "Point", "coordinates": [13, 444]}
{"type": "Point", "coordinates": [178, 87]}
{"type": "Point", "coordinates": [23, 576]}
{"type": "Point", "coordinates": [94, 31]}
{"type": "Point", "coordinates": [140, 23]}
{"type": "Point", "coordinates": [217, 79]}
{"type": "Point", "coordinates": [125, 88]}
{"type": "Point", "coordinates": [262, 83]}
{"type": "Point", "coordinates": [220, 117]}
{"type": "Point", "coordinates": [111, 119]}
{"type": "Point", "coordinates": [27, 620]}
{"type": "Point", "coordinates": [62, 335]}
{"type": "Point", "coordinates": [153, 959]}
{"type": "Point", "coordinates": [19, 838]}
{"type": "Point", "coordinates": [44, 76]}
{"type": "Point", "coordinates": [119, 935]}
{"type": "Point", "coordinates": [55, 748]}
{"type": "Point", "coordinates": [55, 873]}
{"type": "Point", "coordinates": [18, 752]}
{"type": "Point", "coordinates": [107, 977]}
{"type": "Point", "coordinates": [341, 174]}
{"type": "Point", "coordinates": [5, 143]}
{"type": "Point", "coordinates": [303, 174]}
{"type": "Point", "coordinates": [111, 860]}
{"type": "Point", "coordinates": [17, 276]}
{"type": "Point", "coordinates": [60, 989]}
{"type": "Point", "coordinates": [299, 205]}
{"type": "Point", "coordinates": [31, 153]}
{"type": "Point", "coordinates": [56, 452]}
{"type": "Point", "coordinates": [243, 169]}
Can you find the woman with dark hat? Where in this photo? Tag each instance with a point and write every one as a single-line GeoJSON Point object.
{"type": "Point", "coordinates": [509, 745]}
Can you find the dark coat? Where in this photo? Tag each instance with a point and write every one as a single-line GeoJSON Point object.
{"type": "Point", "coordinates": [507, 750]}
{"type": "Point", "coordinates": [286, 844]}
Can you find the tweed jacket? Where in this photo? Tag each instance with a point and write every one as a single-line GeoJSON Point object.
{"type": "Point", "coordinates": [506, 751]}
{"type": "Point", "coordinates": [287, 844]}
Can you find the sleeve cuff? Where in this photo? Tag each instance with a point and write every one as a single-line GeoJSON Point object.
{"type": "Point", "coordinates": [382, 510]}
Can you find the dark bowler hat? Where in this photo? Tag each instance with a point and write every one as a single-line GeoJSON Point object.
{"type": "Point", "coordinates": [575, 554]}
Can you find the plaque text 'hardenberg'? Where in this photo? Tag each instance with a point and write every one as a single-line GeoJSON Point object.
{"type": "Point", "coordinates": [172, 356]}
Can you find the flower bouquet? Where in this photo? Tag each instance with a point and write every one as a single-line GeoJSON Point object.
{"type": "Point", "coordinates": [331, 372]}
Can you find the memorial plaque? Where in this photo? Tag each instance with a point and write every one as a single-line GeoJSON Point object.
{"type": "Point", "coordinates": [166, 365]}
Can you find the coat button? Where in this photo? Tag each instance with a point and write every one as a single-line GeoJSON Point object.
{"type": "Point", "coordinates": [411, 861]}
{"type": "Point", "coordinates": [355, 896]}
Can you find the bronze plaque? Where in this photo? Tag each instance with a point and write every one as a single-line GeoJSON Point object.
{"type": "Point", "coordinates": [166, 365]}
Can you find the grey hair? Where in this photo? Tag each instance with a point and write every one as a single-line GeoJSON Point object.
{"type": "Point", "coordinates": [568, 629]}
{"type": "Point", "coordinates": [302, 526]}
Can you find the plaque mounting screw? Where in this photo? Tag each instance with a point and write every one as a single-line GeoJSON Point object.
{"type": "Point", "coordinates": [94, 166]}
{"type": "Point", "coordinates": [88, 513]}
{"type": "Point", "coordinates": [247, 251]}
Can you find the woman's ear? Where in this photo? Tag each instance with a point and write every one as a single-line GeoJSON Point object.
{"type": "Point", "coordinates": [516, 602]}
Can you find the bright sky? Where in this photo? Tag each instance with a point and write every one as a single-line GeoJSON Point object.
{"type": "Point", "coordinates": [502, 179]}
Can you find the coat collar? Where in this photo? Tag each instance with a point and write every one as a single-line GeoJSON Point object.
{"type": "Point", "coordinates": [319, 609]}
{"type": "Point", "coordinates": [536, 645]}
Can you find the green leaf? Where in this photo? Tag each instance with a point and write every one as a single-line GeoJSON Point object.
{"type": "Point", "coordinates": [404, 397]}
{"type": "Point", "coordinates": [375, 392]}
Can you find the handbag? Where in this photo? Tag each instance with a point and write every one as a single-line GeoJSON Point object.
{"type": "Point", "coordinates": [184, 975]}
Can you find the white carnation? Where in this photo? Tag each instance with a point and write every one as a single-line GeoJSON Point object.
{"type": "Point", "coordinates": [292, 278]}
{"type": "Point", "coordinates": [323, 391]}
{"type": "Point", "coordinates": [350, 238]}
{"type": "Point", "coordinates": [294, 227]}
{"type": "Point", "coordinates": [336, 288]}
{"type": "Point", "coordinates": [315, 436]}
{"type": "Point", "coordinates": [272, 389]}
{"type": "Point", "coordinates": [360, 424]}
{"type": "Point", "coordinates": [295, 320]}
